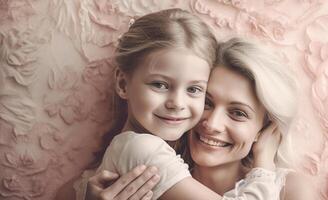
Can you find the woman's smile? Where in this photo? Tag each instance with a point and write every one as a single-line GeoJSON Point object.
{"type": "Point", "coordinates": [212, 142]}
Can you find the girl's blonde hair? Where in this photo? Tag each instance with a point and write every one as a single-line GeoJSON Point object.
{"type": "Point", "coordinates": [167, 29]}
{"type": "Point", "coordinates": [274, 85]}
{"type": "Point", "coordinates": [163, 30]}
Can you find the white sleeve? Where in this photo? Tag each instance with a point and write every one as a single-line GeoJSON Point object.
{"type": "Point", "coordinates": [259, 184]}
{"type": "Point", "coordinates": [132, 149]}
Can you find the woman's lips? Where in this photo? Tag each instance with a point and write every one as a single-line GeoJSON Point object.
{"type": "Point", "coordinates": [210, 141]}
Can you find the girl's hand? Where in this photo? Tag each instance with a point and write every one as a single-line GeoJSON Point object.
{"type": "Point", "coordinates": [265, 149]}
{"type": "Point", "coordinates": [136, 184]}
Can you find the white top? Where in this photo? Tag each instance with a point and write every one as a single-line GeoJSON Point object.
{"type": "Point", "coordinates": [259, 184]}
{"type": "Point", "coordinates": [129, 149]}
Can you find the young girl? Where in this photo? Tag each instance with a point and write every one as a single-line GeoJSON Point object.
{"type": "Point", "coordinates": [163, 65]}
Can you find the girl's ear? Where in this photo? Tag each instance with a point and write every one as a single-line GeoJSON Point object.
{"type": "Point", "coordinates": [121, 83]}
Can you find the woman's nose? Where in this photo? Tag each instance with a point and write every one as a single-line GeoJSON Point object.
{"type": "Point", "coordinates": [214, 122]}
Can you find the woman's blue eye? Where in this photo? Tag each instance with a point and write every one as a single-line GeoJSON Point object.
{"type": "Point", "coordinates": [238, 114]}
{"type": "Point", "coordinates": [208, 104]}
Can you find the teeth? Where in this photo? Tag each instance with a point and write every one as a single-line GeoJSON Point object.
{"type": "Point", "coordinates": [212, 142]}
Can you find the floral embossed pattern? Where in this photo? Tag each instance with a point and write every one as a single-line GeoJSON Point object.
{"type": "Point", "coordinates": [56, 79]}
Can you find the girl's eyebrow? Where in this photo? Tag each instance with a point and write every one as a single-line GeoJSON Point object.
{"type": "Point", "coordinates": [169, 78]}
{"type": "Point", "coordinates": [160, 75]}
{"type": "Point", "coordinates": [243, 104]}
{"type": "Point", "coordinates": [199, 81]}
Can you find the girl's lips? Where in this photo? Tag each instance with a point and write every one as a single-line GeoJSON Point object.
{"type": "Point", "coordinates": [172, 120]}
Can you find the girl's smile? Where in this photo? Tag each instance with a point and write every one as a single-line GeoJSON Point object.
{"type": "Point", "coordinates": [172, 120]}
{"type": "Point", "coordinates": [166, 93]}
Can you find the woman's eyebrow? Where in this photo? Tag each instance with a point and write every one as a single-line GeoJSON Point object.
{"type": "Point", "coordinates": [244, 104]}
{"type": "Point", "coordinates": [209, 95]}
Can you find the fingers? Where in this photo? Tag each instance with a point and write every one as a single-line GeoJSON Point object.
{"type": "Point", "coordinates": [269, 129]}
{"type": "Point", "coordinates": [139, 188]}
{"type": "Point", "coordinates": [97, 183]}
{"type": "Point", "coordinates": [122, 182]}
{"type": "Point", "coordinates": [101, 179]}
{"type": "Point", "coordinates": [278, 135]}
{"type": "Point", "coordinates": [145, 190]}
{"type": "Point", "coordinates": [134, 185]}
{"type": "Point", "coordinates": [147, 196]}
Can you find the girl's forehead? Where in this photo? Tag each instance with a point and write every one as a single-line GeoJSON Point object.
{"type": "Point", "coordinates": [174, 66]}
{"type": "Point", "coordinates": [172, 56]}
{"type": "Point", "coordinates": [167, 53]}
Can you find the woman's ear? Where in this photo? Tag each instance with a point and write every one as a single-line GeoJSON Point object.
{"type": "Point", "coordinates": [266, 123]}
{"type": "Point", "coordinates": [121, 83]}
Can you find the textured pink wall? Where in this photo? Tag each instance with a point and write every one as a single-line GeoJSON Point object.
{"type": "Point", "coordinates": [54, 78]}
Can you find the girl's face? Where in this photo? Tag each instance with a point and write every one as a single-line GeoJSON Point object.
{"type": "Point", "coordinates": [166, 95]}
{"type": "Point", "coordinates": [231, 121]}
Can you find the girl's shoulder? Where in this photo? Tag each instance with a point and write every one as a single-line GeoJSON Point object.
{"type": "Point", "coordinates": [140, 144]}
{"type": "Point", "coordinates": [133, 139]}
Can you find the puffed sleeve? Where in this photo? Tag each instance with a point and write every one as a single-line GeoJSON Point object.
{"type": "Point", "coordinates": [130, 149]}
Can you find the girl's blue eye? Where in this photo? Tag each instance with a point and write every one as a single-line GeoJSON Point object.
{"type": "Point", "coordinates": [160, 85]}
{"type": "Point", "coordinates": [195, 90]}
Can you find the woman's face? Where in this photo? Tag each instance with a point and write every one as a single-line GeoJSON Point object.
{"type": "Point", "coordinates": [231, 121]}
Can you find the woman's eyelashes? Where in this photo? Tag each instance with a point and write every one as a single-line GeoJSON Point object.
{"type": "Point", "coordinates": [238, 114]}
{"type": "Point", "coordinates": [234, 113]}
{"type": "Point", "coordinates": [208, 104]}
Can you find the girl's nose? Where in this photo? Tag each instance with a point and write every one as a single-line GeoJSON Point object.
{"type": "Point", "coordinates": [176, 102]}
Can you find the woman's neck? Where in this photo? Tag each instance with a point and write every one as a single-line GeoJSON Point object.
{"type": "Point", "coordinates": [220, 179]}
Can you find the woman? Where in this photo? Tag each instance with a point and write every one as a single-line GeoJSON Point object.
{"type": "Point", "coordinates": [248, 90]}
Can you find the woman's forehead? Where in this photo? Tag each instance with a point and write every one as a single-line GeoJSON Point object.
{"type": "Point", "coordinates": [227, 85]}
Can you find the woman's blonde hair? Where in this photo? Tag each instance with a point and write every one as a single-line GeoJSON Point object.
{"type": "Point", "coordinates": [163, 30]}
{"type": "Point", "coordinates": [274, 85]}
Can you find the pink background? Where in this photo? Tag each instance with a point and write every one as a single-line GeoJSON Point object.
{"type": "Point", "coordinates": [54, 79]}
